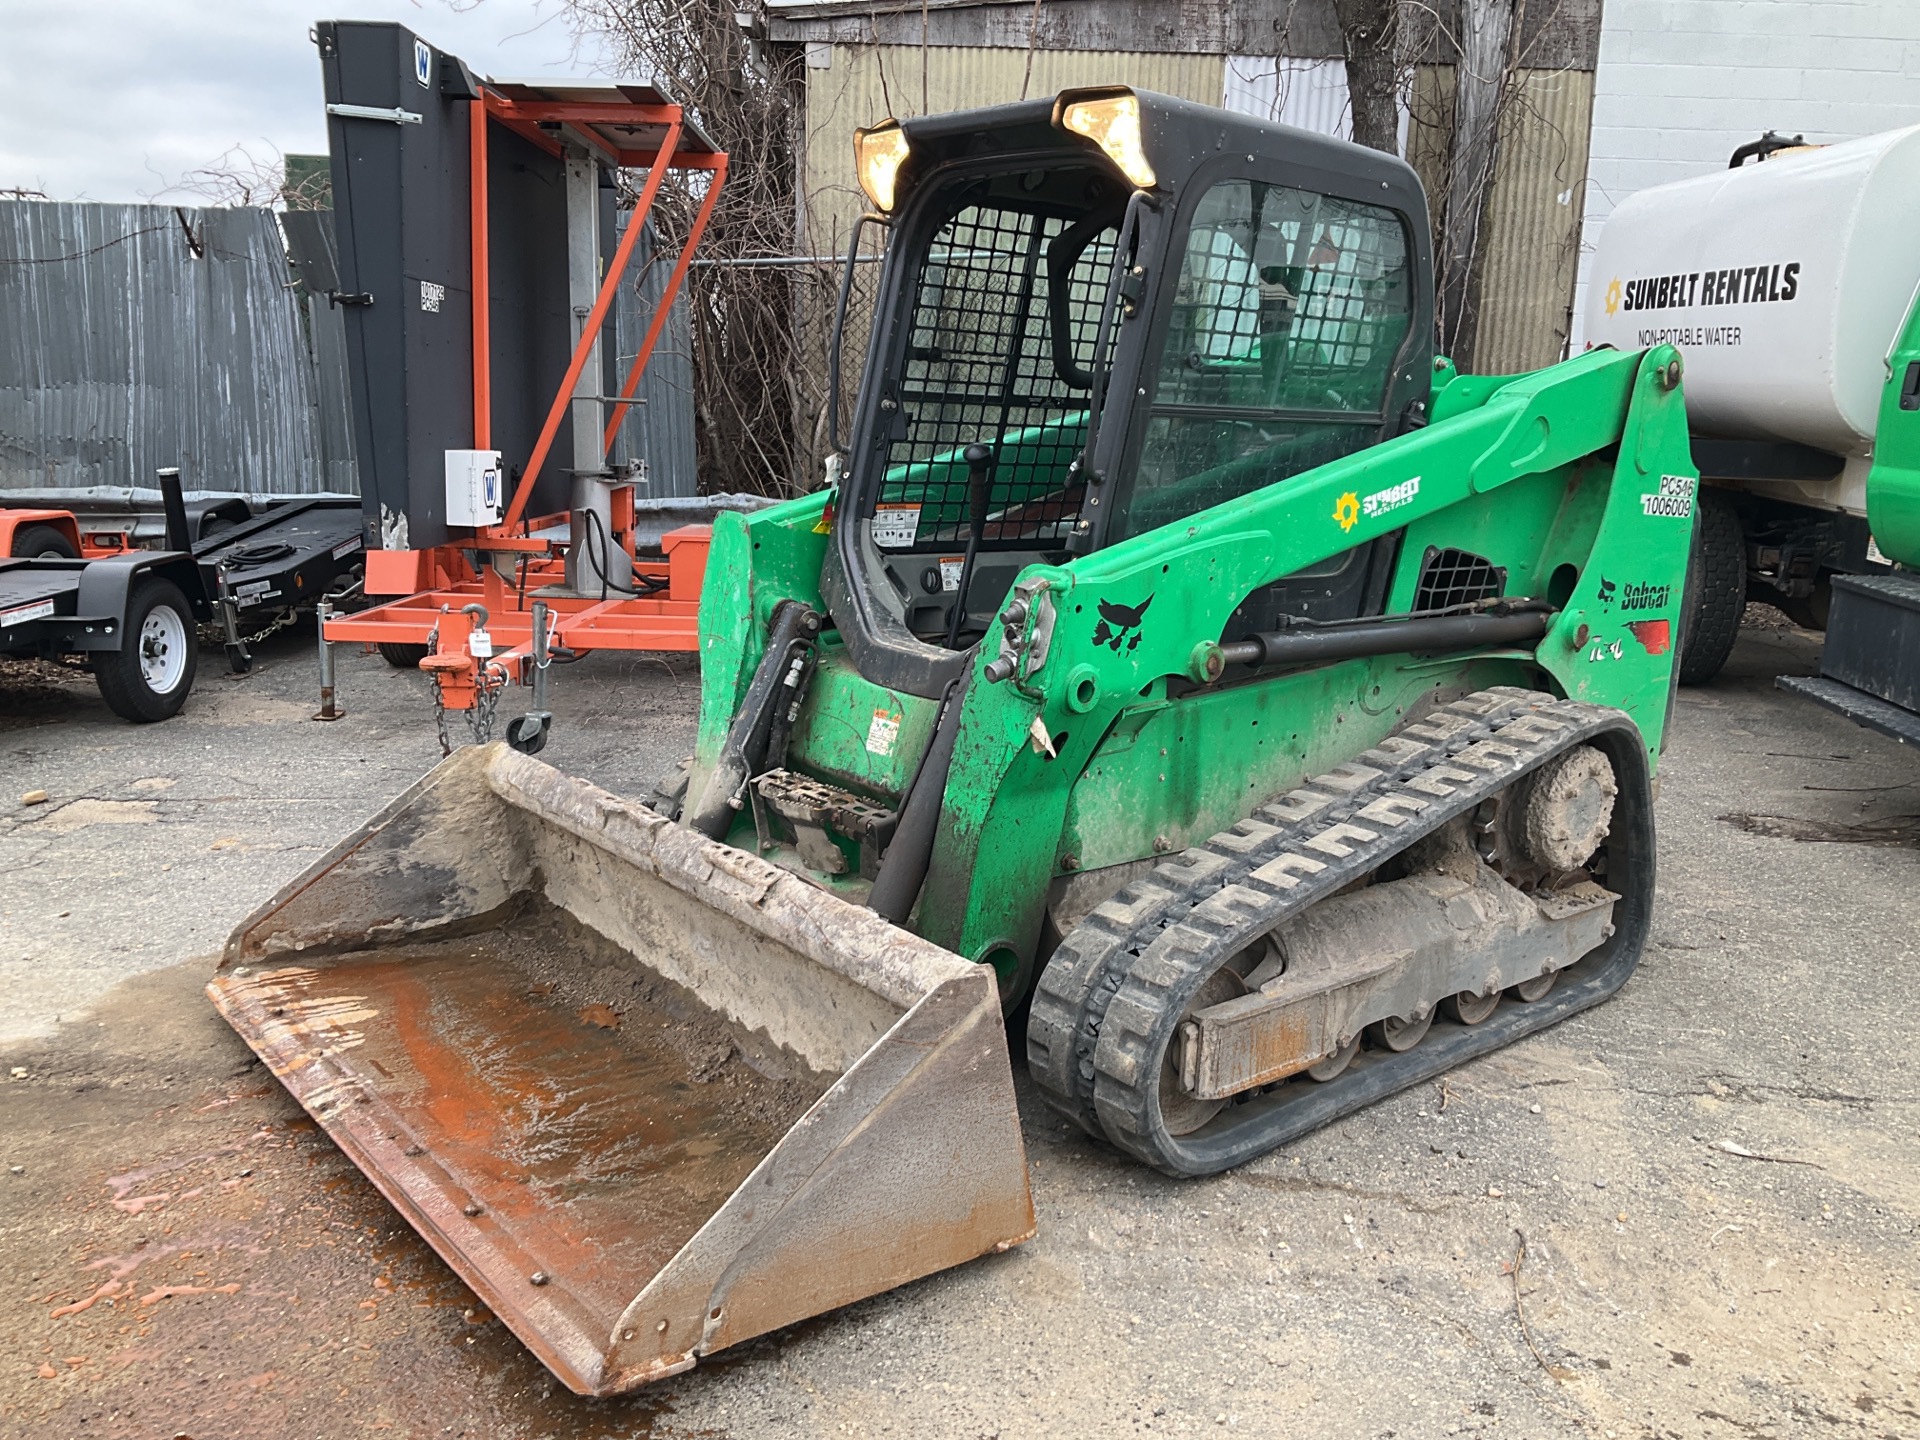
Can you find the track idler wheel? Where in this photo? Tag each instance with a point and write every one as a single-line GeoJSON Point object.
{"type": "Point", "coordinates": [1335, 1064]}
{"type": "Point", "coordinates": [1467, 1008]}
{"type": "Point", "coordinates": [1536, 988]}
{"type": "Point", "coordinates": [1401, 1033]}
{"type": "Point", "coordinates": [1181, 1110]}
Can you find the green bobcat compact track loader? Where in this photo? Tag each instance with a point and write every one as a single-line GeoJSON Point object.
{"type": "Point", "coordinates": [1185, 657]}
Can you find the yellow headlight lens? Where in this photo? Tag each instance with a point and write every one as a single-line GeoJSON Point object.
{"type": "Point", "coordinates": [878, 155]}
{"type": "Point", "coordinates": [1113, 123]}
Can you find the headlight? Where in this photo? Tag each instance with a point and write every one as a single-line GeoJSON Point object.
{"type": "Point", "coordinates": [1113, 123]}
{"type": "Point", "coordinates": [878, 155]}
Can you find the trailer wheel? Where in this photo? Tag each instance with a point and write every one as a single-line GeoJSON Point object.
{"type": "Point", "coordinates": [42, 542]}
{"type": "Point", "coordinates": [1716, 593]}
{"type": "Point", "coordinates": [148, 677]}
{"type": "Point", "coordinates": [402, 657]}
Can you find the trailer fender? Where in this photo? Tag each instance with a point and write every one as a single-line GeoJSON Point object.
{"type": "Point", "coordinates": [12, 522]}
{"type": "Point", "coordinates": [106, 583]}
{"type": "Point", "coordinates": [206, 518]}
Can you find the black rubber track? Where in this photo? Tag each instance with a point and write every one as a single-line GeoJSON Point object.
{"type": "Point", "coordinates": [1132, 981]}
{"type": "Point", "coordinates": [1157, 989]}
{"type": "Point", "coordinates": [1071, 997]}
{"type": "Point", "coordinates": [1716, 593]}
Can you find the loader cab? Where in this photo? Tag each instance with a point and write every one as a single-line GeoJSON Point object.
{"type": "Point", "coordinates": [1100, 314]}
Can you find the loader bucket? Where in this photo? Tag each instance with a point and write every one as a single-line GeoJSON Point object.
{"type": "Point", "coordinates": [648, 1094]}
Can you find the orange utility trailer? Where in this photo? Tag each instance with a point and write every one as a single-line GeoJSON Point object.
{"type": "Point", "coordinates": [514, 570]}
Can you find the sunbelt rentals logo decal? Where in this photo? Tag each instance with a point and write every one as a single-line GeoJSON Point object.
{"type": "Point", "coordinates": [1775, 283]}
{"type": "Point", "coordinates": [1348, 509]}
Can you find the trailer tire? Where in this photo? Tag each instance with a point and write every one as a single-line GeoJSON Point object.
{"type": "Point", "coordinates": [42, 542]}
{"type": "Point", "coordinates": [1716, 593]}
{"type": "Point", "coordinates": [148, 677]}
{"type": "Point", "coordinates": [402, 657]}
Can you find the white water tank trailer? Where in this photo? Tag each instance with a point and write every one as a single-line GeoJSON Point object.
{"type": "Point", "coordinates": [1783, 284]}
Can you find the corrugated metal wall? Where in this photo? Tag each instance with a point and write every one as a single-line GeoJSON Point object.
{"type": "Point", "coordinates": [1309, 94]}
{"type": "Point", "coordinates": [859, 84]}
{"type": "Point", "coordinates": [660, 431]}
{"type": "Point", "coordinates": [332, 404]}
{"type": "Point", "coordinates": [122, 351]}
{"type": "Point", "coordinates": [135, 336]}
{"type": "Point", "coordinates": [1531, 231]}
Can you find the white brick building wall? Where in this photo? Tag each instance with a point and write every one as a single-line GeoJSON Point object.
{"type": "Point", "coordinates": [1680, 83]}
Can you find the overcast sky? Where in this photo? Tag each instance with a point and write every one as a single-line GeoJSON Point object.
{"type": "Point", "coordinates": [118, 99]}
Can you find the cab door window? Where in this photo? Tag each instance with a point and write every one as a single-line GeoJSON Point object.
{"type": "Point", "coordinates": [1290, 309]}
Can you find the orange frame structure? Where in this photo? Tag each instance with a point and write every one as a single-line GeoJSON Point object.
{"type": "Point", "coordinates": [437, 584]}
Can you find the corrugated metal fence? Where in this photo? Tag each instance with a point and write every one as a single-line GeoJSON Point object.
{"type": "Point", "coordinates": [660, 430]}
{"type": "Point", "coordinates": [139, 336]}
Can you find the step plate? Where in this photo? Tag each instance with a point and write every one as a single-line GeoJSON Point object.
{"type": "Point", "coordinates": [1858, 706]}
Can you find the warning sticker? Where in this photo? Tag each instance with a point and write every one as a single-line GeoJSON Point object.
{"type": "Point", "coordinates": [346, 547]}
{"type": "Point", "coordinates": [895, 526]}
{"type": "Point", "coordinates": [950, 568]}
{"type": "Point", "coordinates": [884, 733]}
{"type": "Point", "coordinates": [21, 614]}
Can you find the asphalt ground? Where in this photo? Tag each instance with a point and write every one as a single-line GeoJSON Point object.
{"type": "Point", "coordinates": [1690, 1212]}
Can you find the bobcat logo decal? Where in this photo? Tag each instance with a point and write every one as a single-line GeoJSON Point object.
{"type": "Point", "coordinates": [1120, 625]}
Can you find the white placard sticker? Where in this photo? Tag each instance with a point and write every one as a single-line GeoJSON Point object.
{"type": "Point", "coordinates": [1674, 499]}
{"type": "Point", "coordinates": [21, 614]}
{"type": "Point", "coordinates": [895, 526]}
{"type": "Point", "coordinates": [884, 733]}
{"type": "Point", "coordinates": [950, 568]}
{"type": "Point", "coordinates": [346, 547]}
{"type": "Point", "coordinates": [1875, 553]}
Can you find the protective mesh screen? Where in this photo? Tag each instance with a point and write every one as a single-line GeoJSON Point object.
{"type": "Point", "coordinates": [1456, 577]}
{"type": "Point", "coordinates": [1289, 311]}
{"type": "Point", "coordinates": [1286, 300]}
{"type": "Point", "coordinates": [980, 368]}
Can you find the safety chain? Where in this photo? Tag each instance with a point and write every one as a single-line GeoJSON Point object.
{"type": "Point", "coordinates": [486, 699]}
{"type": "Point", "coordinates": [215, 634]}
{"type": "Point", "coordinates": [439, 706]}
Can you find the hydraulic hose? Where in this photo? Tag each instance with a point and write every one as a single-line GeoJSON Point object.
{"type": "Point", "coordinates": [744, 753]}
{"type": "Point", "coordinates": [1316, 646]}
{"type": "Point", "coordinates": [904, 869]}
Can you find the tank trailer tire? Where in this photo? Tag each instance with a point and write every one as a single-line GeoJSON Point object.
{"type": "Point", "coordinates": [148, 677]}
{"type": "Point", "coordinates": [1716, 590]}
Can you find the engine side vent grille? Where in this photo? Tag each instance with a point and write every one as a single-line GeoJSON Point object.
{"type": "Point", "coordinates": [1457, 577]}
